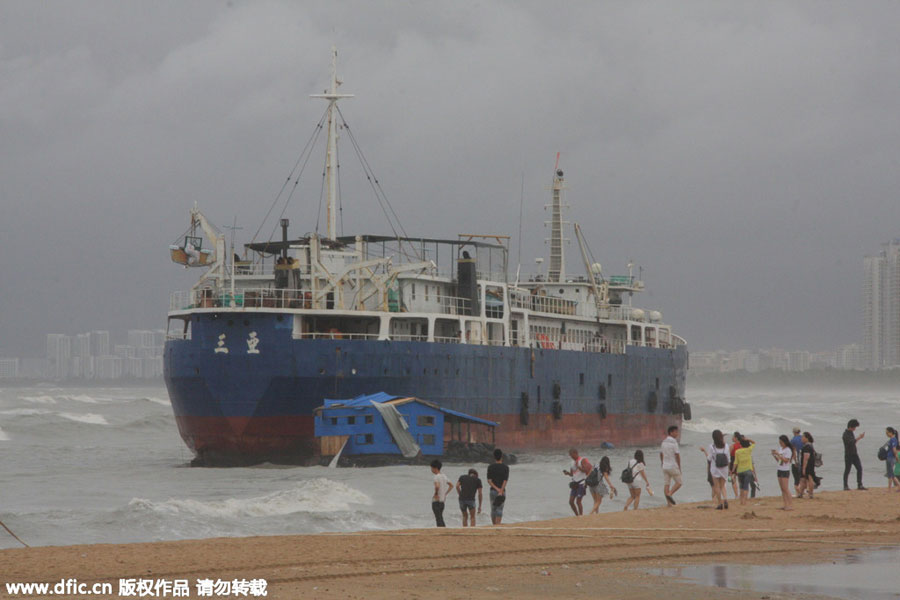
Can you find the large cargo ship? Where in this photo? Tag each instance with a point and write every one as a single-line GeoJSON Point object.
{"type": "Point", "coordinates": [262, 339]}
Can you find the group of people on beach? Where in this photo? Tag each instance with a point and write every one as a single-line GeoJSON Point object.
{"type": "Point", "coordinates": [726, 462]}
{"type": "Point", "coordinates": [468, 487]}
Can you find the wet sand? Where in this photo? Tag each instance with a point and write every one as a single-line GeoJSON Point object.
{"type": "Point", "coordinates": [611, 555]}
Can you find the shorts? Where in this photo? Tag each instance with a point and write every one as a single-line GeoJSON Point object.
{"type": "Point", "coordinates": [496, 511]}
{"type": "Point", "coordinates": [889, 467]}
{"type": "Point", "coordinates": [465, 505]}
{"type": "Point", "coordinates": [577, 491]}
{"type": "Point", "coordinates": [745, 480]}
{"type": "Point", "coordinates": [600, 489]}
{"type": "Point", "coordinates": [672, 475]}
{"type": "Point", "coordinates": [784, 474]}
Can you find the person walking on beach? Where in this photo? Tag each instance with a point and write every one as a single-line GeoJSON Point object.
{"type": "Point", "coordinates": [670, 461]}
{"type": "Point", "coordinates": [851, 454]}
{"type": "Point", "coordinates": [891, 449]}
{"type": "Point", "coordinates": [604, 485]}
{"type": "Point", "coordinates": [578, 472]}
{"type": "Point", "coordinates": [807, 466]}
{"type": "Point", "coordinates": [784, 457]}
{"type": "Point", "coordinates": [638, 468]}
{"type": "Point", "coordinates": [732, 448]}
{"type": "Point", "coordinates": [497, 476]}
{"type": "Point", "coordinates": [717, 454]}
{"type": "Point", "coordinates": [743, 467]}
{"type": "Point", "coordinates": [440, 492]}
{"type": "Point", "coordinates": [467, 486]}
{"type": "Point", "coordinates": [797, 447]}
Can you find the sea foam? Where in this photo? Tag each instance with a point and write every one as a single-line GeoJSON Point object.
{"type": "Point", "coordinates": [89, 418]}
{"type": "Point", "coordinates": [39, 399]}
{"type": "Point", "coordinates": [753, 424]}
{"type": "Point", "coordinates": [316, 495]}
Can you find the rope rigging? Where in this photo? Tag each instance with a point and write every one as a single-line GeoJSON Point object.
{"type": "Point", "coordinates": [380, 195]}
{"type": "Point", "coordinates": [307, 152]}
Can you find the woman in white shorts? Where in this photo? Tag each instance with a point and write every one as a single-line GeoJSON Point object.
{"type": "Point", "coordinates": [638, 469]}
{"type": "Point", "coordinates": [718, 467]}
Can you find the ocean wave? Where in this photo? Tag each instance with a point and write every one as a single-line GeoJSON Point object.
{"type": "Point", "coordinates": [85, 399]}
{"type": "Point", "coordinates": [315, 496]}
{"type": "Point", "coordinates": [754, 424]}
{"type": "Point", "coordinates": [164, 421]}
{"type": "Point", "coordinates": [39, 399]}
{"type": "Point", "coordinates": [25, 412]}
{"type": "Point", "coordinates": [89, 418]}
{"type": "Point", "coordinates": [160, 401]}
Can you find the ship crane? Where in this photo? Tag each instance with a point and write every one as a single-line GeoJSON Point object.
{"type": "Point", "coordinates": [601, 292]}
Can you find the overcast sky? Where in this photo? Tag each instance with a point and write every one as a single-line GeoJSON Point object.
{"type": "Point", "coordinates": [746, 155]}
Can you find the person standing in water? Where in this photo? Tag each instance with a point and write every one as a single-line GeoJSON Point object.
{"type": "Point", "coordinates": [497, 476]}
{"type": "Point", "coordinates": [579, 471]}
{"type": "Point", "coordinates": [638, 468]}
{"type": "Point", "coordinates": [604, 485]}
{"type": "Point", "coordinates": [440, 492]}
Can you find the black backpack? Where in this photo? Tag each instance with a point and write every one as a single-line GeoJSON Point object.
{"type": "Point", "coordinates": [722, 459]}
{"type": "Point", "coordinates": [627, 475]}
{"type": "Point", "coordinates": [883, 452]}
{"type": "Point", "coordinates": [593, 477]}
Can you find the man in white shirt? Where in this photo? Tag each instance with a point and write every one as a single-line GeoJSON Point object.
{"type": "Point", "coordinates": [579, 472]}
{"type": "Point", "coordinates": [440, 492]}
{"type": "Point", "coordinates": [670, 459]}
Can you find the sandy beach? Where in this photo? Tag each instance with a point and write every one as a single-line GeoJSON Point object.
{"type": "Point", "coordinates": [610, 555]}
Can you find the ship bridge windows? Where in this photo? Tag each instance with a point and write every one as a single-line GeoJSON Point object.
{"type": "Point", "coordinates": [493, 302]}
{"type": "Point", "coordinates": [407, 329]}
{"type": "Point", "coordinates": [446, 331]}
{"type": "Point", "coordinates": [495, 334]}
{"type": "Point", "coordinates": [329, 326]}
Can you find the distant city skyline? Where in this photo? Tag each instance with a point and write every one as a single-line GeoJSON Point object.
{"type": "Point", "coordinates": [91, 355]}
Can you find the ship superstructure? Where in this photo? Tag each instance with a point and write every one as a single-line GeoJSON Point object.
{"type": "Point", "coordinates": [261, 340]}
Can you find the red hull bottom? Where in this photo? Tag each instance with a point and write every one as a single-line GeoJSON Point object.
{"type": "Point", "coordinates": [247, 440]}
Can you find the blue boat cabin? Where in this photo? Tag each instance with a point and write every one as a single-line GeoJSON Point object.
{"type": "Point", "coordinates": [360, 424]}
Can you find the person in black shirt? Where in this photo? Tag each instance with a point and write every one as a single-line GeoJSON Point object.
{"type": "Point", "coordinates": [466, 488]}
{"type": "Point", "coordinates": [851, 456]}
{"type": "Point", "coordinates": [497, 475]}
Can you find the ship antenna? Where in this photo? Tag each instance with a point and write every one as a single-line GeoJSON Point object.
{"type": "Point", "coordinates": [557, 271]}
{"type": "Point", "coordinates": [331, 156]}
{"type": "Point", "coordinates": [521, 209]}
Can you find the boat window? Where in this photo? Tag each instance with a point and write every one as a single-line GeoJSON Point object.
{"type": "Point", "coordinates": [351, 420]}
{"type": "Point", "coordinates": [425, 420]}
{"type": "Point", "coordinates": [369, 420]}
{"type": "Point", "coordinates": [428, 440]}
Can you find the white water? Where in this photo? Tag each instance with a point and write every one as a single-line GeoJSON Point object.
{"type": "Point", "coordinates": [108, 465]}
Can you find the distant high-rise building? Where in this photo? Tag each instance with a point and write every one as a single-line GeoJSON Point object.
{"type": "Point", "coordinates": [881, 308]}
{"type": "Point", "coordinates": [59, 349]}
{"type": "Point", "coordinates": [99, 343]}
{"type": "Point", "coordinates": [9, 367]}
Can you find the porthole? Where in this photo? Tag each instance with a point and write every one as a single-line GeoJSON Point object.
{"type": "Point", "coordinates": [353, 371]}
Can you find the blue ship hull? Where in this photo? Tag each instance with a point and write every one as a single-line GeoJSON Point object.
{"type": "Point", "coordinates": [244, 389]}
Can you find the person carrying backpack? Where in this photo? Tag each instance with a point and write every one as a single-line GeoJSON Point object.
{"type": "Point", "coordinates": [719, 458]}
{"type": "Point", "coordinates": [636, 469]}
{"type": "Point", "coordinates": [579, 472]}
{"type": "Point", "coordinates": [599, 484]}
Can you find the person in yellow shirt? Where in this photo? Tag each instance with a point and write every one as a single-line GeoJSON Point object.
{"type": "Point", "coordinates": [743, 466]}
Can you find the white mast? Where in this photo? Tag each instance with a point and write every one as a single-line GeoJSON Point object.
{"type": "Point", "coordinates": [331, 157]}
{"type": "Point", "coordinates": [557, 270]}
